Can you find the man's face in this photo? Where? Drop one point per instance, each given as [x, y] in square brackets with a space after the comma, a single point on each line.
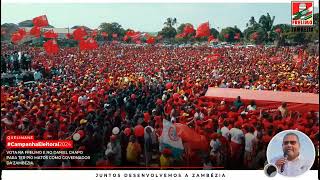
[291, 146]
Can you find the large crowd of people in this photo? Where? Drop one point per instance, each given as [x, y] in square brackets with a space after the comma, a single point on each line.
[105, 95]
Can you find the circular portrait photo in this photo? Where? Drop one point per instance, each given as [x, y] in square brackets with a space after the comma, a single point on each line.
[292, 152]
[270, 170]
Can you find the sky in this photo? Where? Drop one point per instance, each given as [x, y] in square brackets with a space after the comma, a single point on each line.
[146, 17]
[275, 146]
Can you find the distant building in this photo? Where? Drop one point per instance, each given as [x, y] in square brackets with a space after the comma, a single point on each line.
[62, 32]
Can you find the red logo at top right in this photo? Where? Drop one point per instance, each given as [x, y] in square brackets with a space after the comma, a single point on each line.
[302, 13]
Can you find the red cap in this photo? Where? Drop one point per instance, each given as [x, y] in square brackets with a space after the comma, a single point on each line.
[113, 138]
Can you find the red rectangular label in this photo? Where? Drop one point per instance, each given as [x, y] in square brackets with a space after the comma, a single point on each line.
[46, 144]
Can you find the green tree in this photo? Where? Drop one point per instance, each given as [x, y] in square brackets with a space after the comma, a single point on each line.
[8, 29]
[170, 22]
[112, 28]
[214, 32]
[252, 22]
[247, 33]
[231, 31]
[295, 37]
[267, 24]
[279, 37]
[168, 32]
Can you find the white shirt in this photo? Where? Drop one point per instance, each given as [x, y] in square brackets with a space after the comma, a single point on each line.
[248, 137]
[251, 108]
[295, 167]
[82, 100]
[236, 135]
[225, 132]
[199, 115]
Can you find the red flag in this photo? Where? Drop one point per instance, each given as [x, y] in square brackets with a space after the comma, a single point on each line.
[35, 31]
[203, 30]
[104, 34]
[188, 29]
[299, 59]
[136, 37]
[22, 32]
[182, 35]
[51, 47]
[211, 38]
[40, 21]
[125, 38]
[237, 36]
[50, 34]
[83, 45]
[130, 33]
[16, 37]
[79, 33]
[92, 44]
[150, 40]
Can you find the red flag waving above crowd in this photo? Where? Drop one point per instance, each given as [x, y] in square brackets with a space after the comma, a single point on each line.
[136, 36]
[130, 33]
[50, 34]
[79, 33]
[203, 30]
[22, 32]
[35, 31]
[188, 29]
[237, 36]
[150, 40]
[51, 47]
[211, 38]
[92, 44]
[16, 37]
[40, 21]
